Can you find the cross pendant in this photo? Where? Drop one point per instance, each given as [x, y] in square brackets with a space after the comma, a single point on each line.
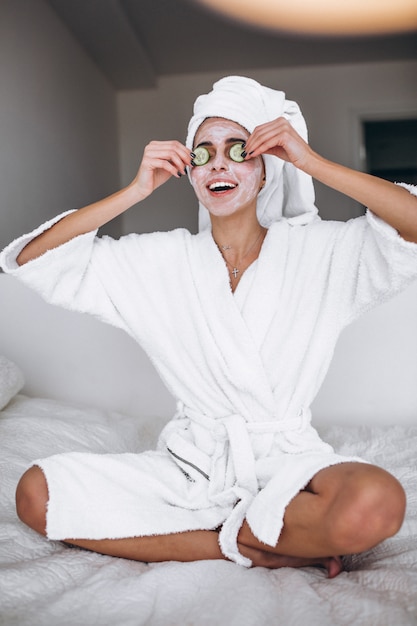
[235, 272]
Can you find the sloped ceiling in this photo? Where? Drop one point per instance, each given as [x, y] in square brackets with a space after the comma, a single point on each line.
[134, 42]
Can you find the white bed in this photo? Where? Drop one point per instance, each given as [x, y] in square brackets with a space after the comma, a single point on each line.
[83, 392]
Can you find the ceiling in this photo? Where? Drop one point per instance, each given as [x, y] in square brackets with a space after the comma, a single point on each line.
[135, 42]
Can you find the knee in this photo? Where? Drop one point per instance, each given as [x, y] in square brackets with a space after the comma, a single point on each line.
[373, 510]
[32, 498]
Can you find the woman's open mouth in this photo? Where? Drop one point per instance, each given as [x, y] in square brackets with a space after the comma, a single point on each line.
[221, 187]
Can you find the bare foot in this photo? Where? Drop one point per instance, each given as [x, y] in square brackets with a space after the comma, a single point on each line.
[260, 558]
[333, 565]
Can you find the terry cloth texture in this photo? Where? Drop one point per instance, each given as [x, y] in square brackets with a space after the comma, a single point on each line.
[288, 191]
[244, 367]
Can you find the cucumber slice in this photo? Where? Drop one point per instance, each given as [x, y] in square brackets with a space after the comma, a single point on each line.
[235, 152]
[202, 156]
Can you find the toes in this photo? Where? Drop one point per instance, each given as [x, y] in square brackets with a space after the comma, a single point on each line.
[334, 566]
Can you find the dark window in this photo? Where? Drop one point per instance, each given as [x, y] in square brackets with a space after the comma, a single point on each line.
[391, 149]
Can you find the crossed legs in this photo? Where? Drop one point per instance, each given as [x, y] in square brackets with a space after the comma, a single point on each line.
[345, 509]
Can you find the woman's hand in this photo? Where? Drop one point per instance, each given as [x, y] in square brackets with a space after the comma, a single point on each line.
[161, 160]
[280, 139]
[390, 202]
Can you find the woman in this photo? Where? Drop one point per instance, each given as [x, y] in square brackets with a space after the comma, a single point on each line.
[241, 321]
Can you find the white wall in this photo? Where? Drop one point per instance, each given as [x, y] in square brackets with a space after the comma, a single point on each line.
[373, 375]
[331, 97]
[58, 131]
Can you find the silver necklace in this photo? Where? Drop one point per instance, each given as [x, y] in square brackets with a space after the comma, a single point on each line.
[233, 269]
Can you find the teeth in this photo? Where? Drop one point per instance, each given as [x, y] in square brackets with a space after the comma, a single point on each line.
[221, 185]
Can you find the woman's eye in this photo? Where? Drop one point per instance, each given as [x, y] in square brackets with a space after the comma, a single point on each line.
[202, 156]
[235, 152]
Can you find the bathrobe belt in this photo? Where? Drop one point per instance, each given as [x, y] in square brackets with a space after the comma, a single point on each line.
[230, 469]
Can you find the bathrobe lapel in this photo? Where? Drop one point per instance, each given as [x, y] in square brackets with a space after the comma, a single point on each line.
[262, 305]
[235, 344]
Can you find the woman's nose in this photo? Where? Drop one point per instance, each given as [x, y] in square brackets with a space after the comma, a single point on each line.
[219, 162]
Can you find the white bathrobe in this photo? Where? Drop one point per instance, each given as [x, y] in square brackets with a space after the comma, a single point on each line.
[244, 367]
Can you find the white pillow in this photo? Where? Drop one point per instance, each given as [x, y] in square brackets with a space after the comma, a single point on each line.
[11, 380]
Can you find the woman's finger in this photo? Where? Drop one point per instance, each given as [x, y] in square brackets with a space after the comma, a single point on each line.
[172, 152]
[279, 139]
[269, 135]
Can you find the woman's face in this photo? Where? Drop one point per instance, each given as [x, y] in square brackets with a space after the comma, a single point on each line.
[222, 185]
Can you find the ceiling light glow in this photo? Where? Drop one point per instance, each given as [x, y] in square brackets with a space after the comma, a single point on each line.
[323, 17]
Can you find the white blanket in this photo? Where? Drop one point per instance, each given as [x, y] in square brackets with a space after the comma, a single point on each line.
[46, 583]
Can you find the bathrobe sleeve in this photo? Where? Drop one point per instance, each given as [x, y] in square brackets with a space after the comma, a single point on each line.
[372, 262]
[93, 274]
[64, 275]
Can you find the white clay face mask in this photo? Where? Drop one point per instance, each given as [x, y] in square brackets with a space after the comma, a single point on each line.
[223, 181]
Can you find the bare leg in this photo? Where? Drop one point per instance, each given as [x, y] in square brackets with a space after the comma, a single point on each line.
[345, 509]
[195, 545]
[32, 497]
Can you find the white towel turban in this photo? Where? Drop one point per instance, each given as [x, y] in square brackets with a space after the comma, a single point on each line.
[288, 192]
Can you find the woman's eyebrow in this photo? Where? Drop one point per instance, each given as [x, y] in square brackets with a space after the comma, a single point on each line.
[203, 143]
[230, 140]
